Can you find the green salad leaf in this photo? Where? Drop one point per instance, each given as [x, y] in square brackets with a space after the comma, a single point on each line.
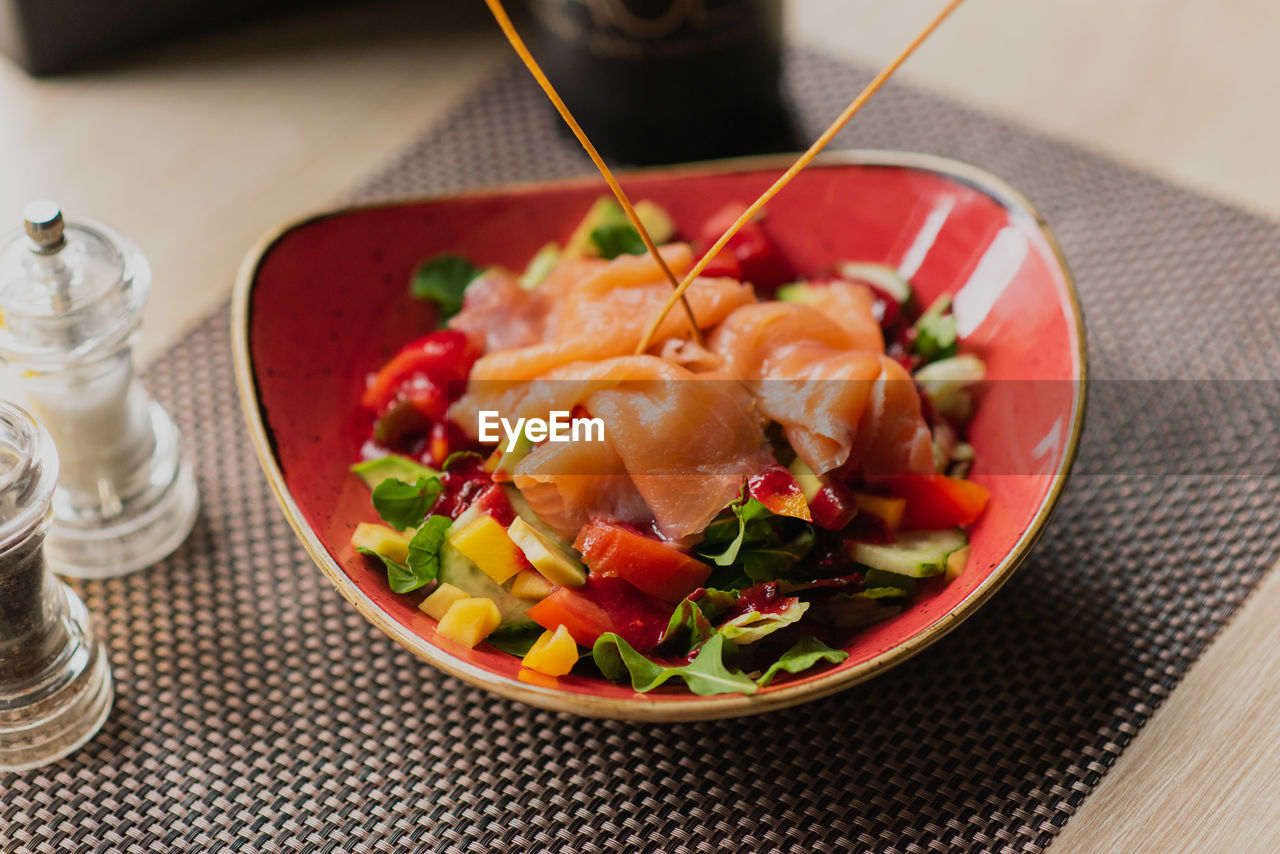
[807, 652]
[403, 505]
[753, 625]
[715, 602]
[751, 542]
[619, 238]
[724, 537]
[687, 624]
[770, 561]
[397, 573]
[706, 674]
[515, 640]
[424, 553]
[423, 564]
[442, 280]
[854, 610]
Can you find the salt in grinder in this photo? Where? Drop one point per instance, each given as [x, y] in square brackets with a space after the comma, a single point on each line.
[71, 296]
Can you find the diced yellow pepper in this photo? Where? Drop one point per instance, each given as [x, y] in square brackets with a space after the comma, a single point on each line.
[486, 543]
[441, 599]
[546, 557]
[469, 621]
[554, 653]
[383, 540]
[956, 562]
[887, 510]
[530, 585]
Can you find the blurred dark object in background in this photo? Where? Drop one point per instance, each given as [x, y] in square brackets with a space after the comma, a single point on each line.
[52, 36]
[663, 81]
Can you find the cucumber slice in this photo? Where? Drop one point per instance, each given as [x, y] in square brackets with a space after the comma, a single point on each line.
[374, 472]
[800, 292]
[540, 265]
[915, 554]
[458, 570]
[884, 277]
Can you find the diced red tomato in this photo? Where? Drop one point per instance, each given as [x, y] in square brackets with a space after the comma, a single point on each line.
[937, 501]
[724, 264]
[604, 604]
[776, 488]
[422, 371]
[653, 567]
[758, 257]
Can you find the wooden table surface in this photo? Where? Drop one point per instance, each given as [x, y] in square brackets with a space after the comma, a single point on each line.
[197, 149]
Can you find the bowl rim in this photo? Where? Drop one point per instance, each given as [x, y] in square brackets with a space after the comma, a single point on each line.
[666, 707]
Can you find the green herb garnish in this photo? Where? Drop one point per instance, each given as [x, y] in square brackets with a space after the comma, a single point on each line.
[807, 652]
[403, 505]
[442, 280]
[706, 674]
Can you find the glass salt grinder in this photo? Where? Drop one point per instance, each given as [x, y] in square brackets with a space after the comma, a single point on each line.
[71, 296]
[55, 682]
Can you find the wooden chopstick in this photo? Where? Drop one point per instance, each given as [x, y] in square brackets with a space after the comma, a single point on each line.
[803, 161]
[509, 30]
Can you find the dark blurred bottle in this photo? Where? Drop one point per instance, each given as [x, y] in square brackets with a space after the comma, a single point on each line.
[663, 81]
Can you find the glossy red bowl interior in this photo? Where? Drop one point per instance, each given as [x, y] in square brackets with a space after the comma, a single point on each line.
[324, 302]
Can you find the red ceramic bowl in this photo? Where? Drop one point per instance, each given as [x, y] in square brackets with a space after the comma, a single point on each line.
[323, 301]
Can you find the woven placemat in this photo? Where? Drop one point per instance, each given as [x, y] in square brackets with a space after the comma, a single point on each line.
[258, 712]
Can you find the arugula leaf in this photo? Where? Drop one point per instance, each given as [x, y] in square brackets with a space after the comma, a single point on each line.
[771, 561]
[753, 625]
[706, 674]
[515, 640]
[442, 280]
[424, 554]
[749, 514]
[716, 602]
[614, 239]
[854, 610]
[457, 457]
[749, 537]
[403, 505]
[807, 652]
[397, 573]
[688, 621]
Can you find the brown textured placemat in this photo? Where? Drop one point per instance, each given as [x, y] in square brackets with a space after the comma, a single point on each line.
[258, 712]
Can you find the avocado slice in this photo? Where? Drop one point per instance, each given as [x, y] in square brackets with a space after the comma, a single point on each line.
[607, 214]
[374, 472]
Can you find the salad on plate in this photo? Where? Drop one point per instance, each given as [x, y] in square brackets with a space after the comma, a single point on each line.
[784, 464]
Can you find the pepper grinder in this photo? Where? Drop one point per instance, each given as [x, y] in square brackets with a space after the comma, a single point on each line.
[55, 682]
[71, 297]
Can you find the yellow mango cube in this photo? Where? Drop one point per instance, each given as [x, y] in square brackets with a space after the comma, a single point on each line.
[469, 621]
[487, 545]
[546, 557]
[383, 540]
[530, 586]
[887, 510]
[554, 653]
[441, 599]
